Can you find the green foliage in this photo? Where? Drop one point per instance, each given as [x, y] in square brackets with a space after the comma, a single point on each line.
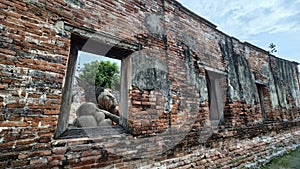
[272, 47]
[288, 161]
[103, 73]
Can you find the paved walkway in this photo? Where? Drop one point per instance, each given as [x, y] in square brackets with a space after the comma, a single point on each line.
[289, 161]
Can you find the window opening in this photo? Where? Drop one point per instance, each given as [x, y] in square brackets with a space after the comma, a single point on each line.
[97, 80]
[260, 89]
[98, 95]
[215, 96]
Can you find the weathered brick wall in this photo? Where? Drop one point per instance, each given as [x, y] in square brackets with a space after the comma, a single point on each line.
[34, 50]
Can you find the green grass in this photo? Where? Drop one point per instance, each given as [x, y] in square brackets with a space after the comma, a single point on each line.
[288, 161]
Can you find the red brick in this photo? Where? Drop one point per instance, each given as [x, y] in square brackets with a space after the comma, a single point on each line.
[42, 146]
[2, 117]
[6, 51]
[90, 153]
[26, 19]
[33, 26]
[13, 14]
[148, 103]
[38, 161]
[25, 155]
[56, 163]
[136, 102]
[26, 147]
[14, 124]
[86, 161]
[24, 142]
[12, 81]
[52, 96]
[51, 112]
[19, 163]
[34, 95]
[80, 148]
[43, 139]
[27, 136]
[56, 107]
[3, 6]
[8, 156]
[7, 62]
[59, 150]
[17, 105]
[56, 158]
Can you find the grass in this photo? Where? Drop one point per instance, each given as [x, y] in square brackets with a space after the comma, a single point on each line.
[288, 161]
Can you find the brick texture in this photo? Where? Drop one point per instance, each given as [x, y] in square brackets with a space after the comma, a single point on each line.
[34, 52]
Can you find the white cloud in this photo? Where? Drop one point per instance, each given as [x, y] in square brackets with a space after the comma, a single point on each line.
[244, 18]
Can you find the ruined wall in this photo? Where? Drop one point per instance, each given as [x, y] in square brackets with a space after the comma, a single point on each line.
[168, 98]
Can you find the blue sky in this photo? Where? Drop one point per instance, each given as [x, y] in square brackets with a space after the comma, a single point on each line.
[84, 57]
[259, 22]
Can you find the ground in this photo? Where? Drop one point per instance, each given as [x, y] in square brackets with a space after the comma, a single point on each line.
[289, 161]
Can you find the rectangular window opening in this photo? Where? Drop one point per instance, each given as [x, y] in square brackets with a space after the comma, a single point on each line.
[97, 80]
[216, 90]
[95, 91]
[261, 89]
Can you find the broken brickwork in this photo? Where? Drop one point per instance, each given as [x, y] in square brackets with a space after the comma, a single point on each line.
[175, 61]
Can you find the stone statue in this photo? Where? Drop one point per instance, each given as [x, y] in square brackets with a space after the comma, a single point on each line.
[101, 107]
[89, 115]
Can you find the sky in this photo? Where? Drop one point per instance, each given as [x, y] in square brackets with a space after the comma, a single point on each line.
[84, 57]
[259, 22]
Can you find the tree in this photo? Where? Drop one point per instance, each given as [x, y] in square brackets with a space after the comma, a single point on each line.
[103, 73]
[272, 47]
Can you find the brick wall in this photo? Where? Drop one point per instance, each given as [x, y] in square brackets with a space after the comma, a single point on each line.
[34, 51]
